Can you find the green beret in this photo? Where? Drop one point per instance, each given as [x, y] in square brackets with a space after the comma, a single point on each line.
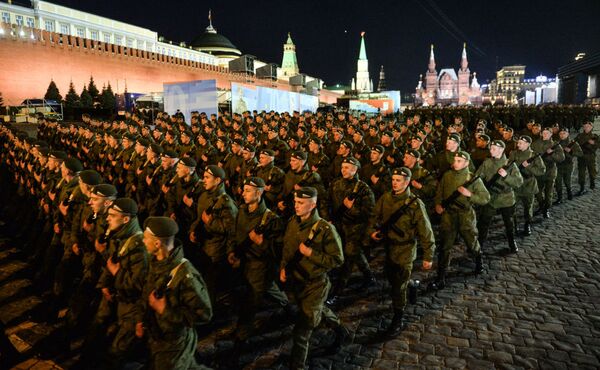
[249, 148]
[463, 154]
[454, 137]
[170, 154]
[105, 190]
[189, 162]
[44, 151]
[485, 138]
[499, 143]
[73, 164]
[402, 171]
[378, 148]
[90, 177]
[387, 133]
[417, 137]
[143, 142]
[565, 129]
[57, 154]
[268, 152]
[415, 153]
[316, 140]
[547, 128]
[351, 160]
[216, 171]
[347, 144]
[299, 154]
[161, 227]
[125, 205]
[526, 139]
[239, 142]
[157, 149]
[306, 192]
[257, 182]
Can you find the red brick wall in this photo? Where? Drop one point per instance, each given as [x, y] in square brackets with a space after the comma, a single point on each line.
[27, 66]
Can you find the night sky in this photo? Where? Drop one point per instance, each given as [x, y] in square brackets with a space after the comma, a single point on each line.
[543, 35]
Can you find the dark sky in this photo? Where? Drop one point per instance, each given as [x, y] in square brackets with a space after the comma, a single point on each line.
[543, 35]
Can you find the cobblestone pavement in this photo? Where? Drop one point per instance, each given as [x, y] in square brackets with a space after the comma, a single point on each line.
[537, 309]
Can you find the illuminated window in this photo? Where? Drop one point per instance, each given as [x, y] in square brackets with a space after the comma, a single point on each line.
[49, 25]
[64, 29]
[94, 35]
[5, 17]
[19, 20]
[107, 37]
[130, 43]
[118, 40]
[81, 32]
[30, 22]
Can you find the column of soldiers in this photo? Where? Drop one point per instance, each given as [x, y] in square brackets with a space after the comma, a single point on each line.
[141, 229]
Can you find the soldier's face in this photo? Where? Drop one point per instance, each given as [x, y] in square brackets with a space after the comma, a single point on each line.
[563, 135]
[459, 163]
[415, 144]
[116, 219]
[399, 183]
[496, 151]
[52, 164]
[304, 206]
[385, 140]
[348, 170]
[151, 242]
[587, 128]
[522, 145]
[97, 204]
[210, 182]
[247, 155]
[409, 160]
[251, 194]
[451, 145]
[296, 164]
[546, 134]
[535, 130]
[182, 170]
[375, 156]
[264, 160]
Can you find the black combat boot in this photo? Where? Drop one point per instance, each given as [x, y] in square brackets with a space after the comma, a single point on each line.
[440, 280]
[397, 325]
[479, 263]
[341, 334]
[527, 229]
[512, 244]
[546, 213]
[592, 184]
[569, 194]
[581, 190]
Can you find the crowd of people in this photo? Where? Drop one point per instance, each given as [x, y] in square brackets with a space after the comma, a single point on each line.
[138, 230]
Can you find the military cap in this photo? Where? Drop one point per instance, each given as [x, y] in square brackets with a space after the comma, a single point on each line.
[249, 148]
[387, 133]
[73, 164]
[156, 148]
[397, 128]
[565, 129]
[499, 143]
[347, 144]
[90, 177]
[509, 129]
[40, 144]
[422, 132]
[322, 128]
[547, 128]
[204, 135]
[352, 161]
[268, 152]
[454, 137]
[172, 132]
[316, 140]
[273, 129]
[170, 154]
[536, 124]
[239, 142]
[299, 154]
[161, 227]
[293, 137]
[378, 148]
[130, 137]
[556, 125]
[306, 192]
[463, 155]
[223, 139]
[116, 135]
[44, 151]
[216, 171]
[188, 162]
[485, 138]
[187, 133]
[57, 154]
[416, 137]
[525, 138]
[402, 171]
[125, 205]
[360, 132]
[413, 152]
[257, 182]
[143, 142]
[105, 190]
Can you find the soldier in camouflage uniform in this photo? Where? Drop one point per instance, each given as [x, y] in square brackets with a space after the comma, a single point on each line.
[589, 143]
[552, 153]
[565, 168]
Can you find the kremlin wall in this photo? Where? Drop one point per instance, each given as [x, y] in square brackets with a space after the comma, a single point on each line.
[27, 65]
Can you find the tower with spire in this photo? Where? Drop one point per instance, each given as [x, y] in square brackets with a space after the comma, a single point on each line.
[381, 86]
[289, 64]
[463, 78]
[431, 77]
[362, 83]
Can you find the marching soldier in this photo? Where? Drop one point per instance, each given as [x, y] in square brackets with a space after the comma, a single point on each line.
[531, 166]
[400, 218]
[456, 195]
[174, 299]
[501, 176]
[589, 143]
[312, 248]
[552, 153]
[565, 168]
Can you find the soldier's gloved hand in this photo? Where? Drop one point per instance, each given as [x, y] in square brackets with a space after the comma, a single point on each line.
[233, 260]
[307, 251]
[348, 203]
[256, 238]
[188, 201]
[75, 249]
[193, 237]
[439, 209]
[281, 205]
[157, 304]
[464, 191]
[376, 236]
[427, 265]
[106, 294]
